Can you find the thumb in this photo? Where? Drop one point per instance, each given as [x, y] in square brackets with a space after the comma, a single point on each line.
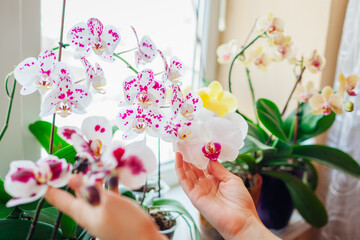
[219, 171]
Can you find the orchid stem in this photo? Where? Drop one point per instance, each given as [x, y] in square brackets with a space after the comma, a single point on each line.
[61, 45]
[292, 91]
[144, 192]
[127, 64]
[126, 51]
[159, 170]
[36, 218]
[241, 52]
[252, 93]
[10, 107]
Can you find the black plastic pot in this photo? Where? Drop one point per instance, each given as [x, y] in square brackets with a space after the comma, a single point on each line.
[275, 206]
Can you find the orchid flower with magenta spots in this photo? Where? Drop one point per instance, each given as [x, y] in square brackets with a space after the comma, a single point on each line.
[65, 97]
[93, 35]
[27, 181]
[34, 74]
[94, 76]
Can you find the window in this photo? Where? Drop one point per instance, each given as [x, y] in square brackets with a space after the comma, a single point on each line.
[170, 23]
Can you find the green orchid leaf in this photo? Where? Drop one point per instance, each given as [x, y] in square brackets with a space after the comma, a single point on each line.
[126, 192]
[283, 162]
[12, 229]
[270, 117]
[310, 125]
[171, 204]
[4, 198]
[251, 144]
[328, 156]
[248, 160]
[310, 176]
[282, 148]
[257, 132]
[68, 153]
[304, 199]
[42, 130]
[68, 226]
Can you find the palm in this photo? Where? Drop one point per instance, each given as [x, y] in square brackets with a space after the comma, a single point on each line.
[220, 196]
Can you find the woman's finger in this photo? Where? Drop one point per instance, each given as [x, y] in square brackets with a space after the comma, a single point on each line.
[185, 183]
[219, 171]
[76, 183]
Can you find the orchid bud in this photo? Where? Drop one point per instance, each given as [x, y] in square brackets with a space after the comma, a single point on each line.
[349, 106]
[91, 194]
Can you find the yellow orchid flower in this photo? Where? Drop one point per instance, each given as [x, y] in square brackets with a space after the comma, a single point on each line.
[258, 57]
[226, 52]
[315, 63]
[348, 84]
[303, 94]
[270, 24]
[284, 48]
[326, 101]
[216, 99]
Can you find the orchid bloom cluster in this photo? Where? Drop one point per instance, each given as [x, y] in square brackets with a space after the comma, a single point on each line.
[281, 46]
[201, 135]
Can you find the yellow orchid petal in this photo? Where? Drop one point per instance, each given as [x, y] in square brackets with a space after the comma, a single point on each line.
[230, 101]
[204, 96]
[352, 80]
[317, 112]
[316, 102]
[310, 86]
[342, 80]
[215, 88]
[336, 103]
[341, 90]
[217, 106]
[327, 92]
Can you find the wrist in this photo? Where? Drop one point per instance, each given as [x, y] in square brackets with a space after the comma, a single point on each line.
[254, 229]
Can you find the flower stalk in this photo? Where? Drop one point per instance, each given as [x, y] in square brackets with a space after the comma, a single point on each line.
[252, 93]
[127, 64]
[159, 169]
[10, 104]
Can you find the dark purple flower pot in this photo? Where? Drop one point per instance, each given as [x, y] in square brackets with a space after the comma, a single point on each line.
[275, 205]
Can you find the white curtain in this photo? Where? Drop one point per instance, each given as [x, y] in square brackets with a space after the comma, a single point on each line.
[343, 197]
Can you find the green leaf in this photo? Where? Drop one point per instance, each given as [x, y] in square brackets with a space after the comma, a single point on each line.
[4, 198]
[251, 144]
[50, 215]
[283, 162]
[33, 205]
[126, 192]
[178, 207]
[257, 132]
[68, 226]
[68, 153]
[282, 148]
[304, 199]
[248, 160]
[310, 125]
[270, 117]
[148, 200]
[310, 176]
[328, 156]
[42, 130]
[12, 229]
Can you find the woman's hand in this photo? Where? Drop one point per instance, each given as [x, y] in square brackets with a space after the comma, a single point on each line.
[222, 199]
[114, 218]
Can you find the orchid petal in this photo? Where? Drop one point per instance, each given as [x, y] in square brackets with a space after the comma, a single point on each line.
[60, 169]
[192, 153]
[125, 118]
[28, 90]
[130, 87]
[327, 92]
[140, 163]
[95, 27]
[112, 38]
[24, 200]
[239, 121]
[97, 128]
[27, 72]
[176, 70]
[47, 60]
[79, 38]
[67, 132]
[147, 49]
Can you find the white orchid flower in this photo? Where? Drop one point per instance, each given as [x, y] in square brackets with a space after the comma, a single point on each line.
[34, 74]
[93, 35]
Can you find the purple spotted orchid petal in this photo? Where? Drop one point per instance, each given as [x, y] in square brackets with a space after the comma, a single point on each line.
[95, 27]
[112, 38]
[34, 74]
[138, 163]
[147, 50]
[130, 87]
[94, 76]
[136, 120]
[176, 70]
[174, 126]
[165, 75]
[61, 71]
[65, 98]
[187, 106]
[97, 129]
[79, 38]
